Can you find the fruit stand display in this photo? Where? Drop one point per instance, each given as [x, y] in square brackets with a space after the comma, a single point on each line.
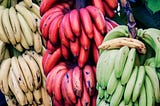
[78, 53]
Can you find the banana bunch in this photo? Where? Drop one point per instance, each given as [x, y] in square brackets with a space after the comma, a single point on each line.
[72, 86]
[4, 51]
[22, 80]
[19, 26]
[127, 69]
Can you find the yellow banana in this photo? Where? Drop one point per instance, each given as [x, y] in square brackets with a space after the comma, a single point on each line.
[37, 95]
[4, 3]
[35, 70]
[37, 42]
[26, 30]
[23, 41]
[28, 3]
[11, 101]
[29, 97]
[4, 70]
[26, 72]
[7, 26]
[15, 24]
[46, 99]
[19, 47]
[2, 50]
[7, 54]
[13, 2]
[18, 73]
[35, 9]
[15, 88]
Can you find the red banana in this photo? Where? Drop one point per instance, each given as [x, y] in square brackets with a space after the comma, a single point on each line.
[46, 5]
[75, 22]
[113, 23]
[47, 23]
[113, 4]
[56, 103]
[50, 47]
[51, 75]
[75, 47]
[56, 89]
[99, 4]
[65, 51]
[86, 22]
[84, 40]
[97, 17]
[93, 100]
[94, 70]
[63, 39]
[54, 28]
[85, 100]
[83, 57]
[98, 37]
[109, 26]
[44, 58]
[69, 86]
[95, 52]
[109, 12]
[89, 79]
[67, 27]
[52, 61]
[77, 81]
[78, 102]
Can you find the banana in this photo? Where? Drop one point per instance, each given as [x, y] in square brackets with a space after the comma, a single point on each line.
[4, 3]
[151, 72]
[105, 65]
[18, 47]
[35, 70]
[7, 26]
[46, 99]
[95, 52]
[37, 42]
[25, 30]
[3, 35]
[19, 74]
[122, 103]
[112, 83]
[128, 66]
[143, 97]
[27, 16]
[103, 103]
[15, 24]
[15, 88]
[13, 2]
[86, 22]
[28, 3]
[101, 93]
[123, 41]
[150, 92]
[26, 72]
[75, 22]
[151, 37]
[7, 54]
[75, 47]
[2, 50]
[11, 101]
[29, 97]
[65, 51]
[130, 85]
[150, 62]
[117, 95]
[121, 58]
[24, 42]
[139, 83]
[37, 96]
[99, 4]
[35, 9]
[4, 70]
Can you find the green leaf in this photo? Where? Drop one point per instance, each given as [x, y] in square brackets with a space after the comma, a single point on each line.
[153, 5]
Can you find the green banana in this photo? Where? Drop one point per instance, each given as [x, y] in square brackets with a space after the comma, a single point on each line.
[101, 68]
[122, 103]
[112, 83]
[151, 36]
[151, 72]
[139, 82]
[143, 96]
[101, 93]
[106, 95]
[103, 103]
[98, 100]
[136, 103]
[117, 95]
[150, 62]
[128, 66]
[120, 62]
[130, 85]
[150, 92]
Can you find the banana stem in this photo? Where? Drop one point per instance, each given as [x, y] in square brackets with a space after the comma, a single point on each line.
[80, 3]
[131, 22]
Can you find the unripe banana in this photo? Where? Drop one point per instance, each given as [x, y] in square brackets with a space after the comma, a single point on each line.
[143, 97]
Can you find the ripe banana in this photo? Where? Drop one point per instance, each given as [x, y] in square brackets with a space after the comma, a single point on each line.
[29, 97]
[25, 30]
[24, 42]
[37, 96]
[3, 35]
[26, 72]
[99, 4]
[28, 3]
[7, 54]
[130, 85]
[19, 47]
[46, 99]
[11, 101]
[75, 47]
[121, 58]
[117, 95]
[151, 72]
[7, 26]
[4, 70]
[19, 74]
[35, 9]
[15, 88]
[37, 42]
[65, 51]
[15, 24]
[2, 50]
[128, 66]
[139, 82]
[27, 16]
[35, 70]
